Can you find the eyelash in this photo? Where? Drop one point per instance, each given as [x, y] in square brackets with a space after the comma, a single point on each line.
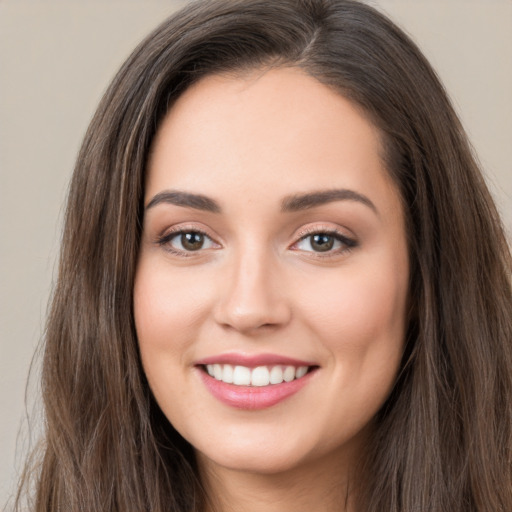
[164, 240]
[347, 243]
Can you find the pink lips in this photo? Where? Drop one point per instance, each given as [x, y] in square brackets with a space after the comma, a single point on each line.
[252, 397]
[252, 361]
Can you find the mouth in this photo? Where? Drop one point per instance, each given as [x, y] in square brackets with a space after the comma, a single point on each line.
[254, 382]
[260, 376]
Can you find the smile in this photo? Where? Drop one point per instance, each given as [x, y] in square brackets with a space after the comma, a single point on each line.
[258, 377]
[254, 382]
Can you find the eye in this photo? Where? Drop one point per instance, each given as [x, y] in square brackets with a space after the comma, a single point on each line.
[325, 242]
[186, 241]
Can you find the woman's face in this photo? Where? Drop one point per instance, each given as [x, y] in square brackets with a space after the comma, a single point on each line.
[274, 257]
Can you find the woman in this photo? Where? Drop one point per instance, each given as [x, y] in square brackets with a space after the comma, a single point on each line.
[283, 282]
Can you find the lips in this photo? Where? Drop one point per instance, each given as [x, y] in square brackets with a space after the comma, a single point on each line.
[254, 382]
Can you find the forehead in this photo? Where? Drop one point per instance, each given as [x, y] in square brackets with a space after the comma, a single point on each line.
[267, 131]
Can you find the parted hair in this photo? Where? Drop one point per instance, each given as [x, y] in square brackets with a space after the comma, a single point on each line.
[443, 441]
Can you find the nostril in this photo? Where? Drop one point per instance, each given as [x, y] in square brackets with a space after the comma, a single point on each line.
[252, 314]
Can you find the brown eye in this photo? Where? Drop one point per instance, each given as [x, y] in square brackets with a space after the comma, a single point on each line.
[183, 242]
[325, 242]
[192, 241]
[322, 242]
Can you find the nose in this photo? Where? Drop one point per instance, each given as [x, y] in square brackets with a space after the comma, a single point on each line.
[253, 295]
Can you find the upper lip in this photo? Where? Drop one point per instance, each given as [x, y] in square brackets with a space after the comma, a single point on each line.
[253, 360]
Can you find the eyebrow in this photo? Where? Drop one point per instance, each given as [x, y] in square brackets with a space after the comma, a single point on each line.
[186, 199]
[293, 203]
[298, 202]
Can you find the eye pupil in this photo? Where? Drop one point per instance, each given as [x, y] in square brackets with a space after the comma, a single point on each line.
[192, 241]
[322, 242]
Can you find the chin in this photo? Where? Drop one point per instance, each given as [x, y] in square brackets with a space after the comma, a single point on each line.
[254, 460]
[258, 450]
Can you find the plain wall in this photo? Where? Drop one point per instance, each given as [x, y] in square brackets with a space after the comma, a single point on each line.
[56, 59]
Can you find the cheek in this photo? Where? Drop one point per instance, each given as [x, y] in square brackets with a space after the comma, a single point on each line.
[360, 320]
[169, 311]
[360, 317]
[167, 306]
[357, 307]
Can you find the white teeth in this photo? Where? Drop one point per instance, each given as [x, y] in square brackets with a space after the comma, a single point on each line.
[241, 376]
[289, 374]
[217, 371]
[276, 375]
[227, 374]
[301, 371]
[259, 376]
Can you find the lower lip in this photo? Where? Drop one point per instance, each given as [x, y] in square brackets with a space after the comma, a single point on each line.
[253, 397]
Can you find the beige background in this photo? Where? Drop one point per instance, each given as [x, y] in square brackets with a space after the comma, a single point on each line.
[57, 57]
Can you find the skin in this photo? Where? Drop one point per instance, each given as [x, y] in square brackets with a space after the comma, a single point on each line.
[259, 286]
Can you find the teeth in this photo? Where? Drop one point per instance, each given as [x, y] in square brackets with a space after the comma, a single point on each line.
[217, 371]
[227, 374]
[289, 374]
[259, 376]
[241, 376]
[301, 371]
[276, 375]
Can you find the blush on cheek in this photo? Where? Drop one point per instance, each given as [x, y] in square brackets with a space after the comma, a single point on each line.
[167, 303]
[366, 328]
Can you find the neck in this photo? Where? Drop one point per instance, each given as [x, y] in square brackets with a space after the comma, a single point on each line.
[321, 485]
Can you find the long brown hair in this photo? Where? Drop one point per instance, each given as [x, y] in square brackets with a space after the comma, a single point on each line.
[444, 436]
